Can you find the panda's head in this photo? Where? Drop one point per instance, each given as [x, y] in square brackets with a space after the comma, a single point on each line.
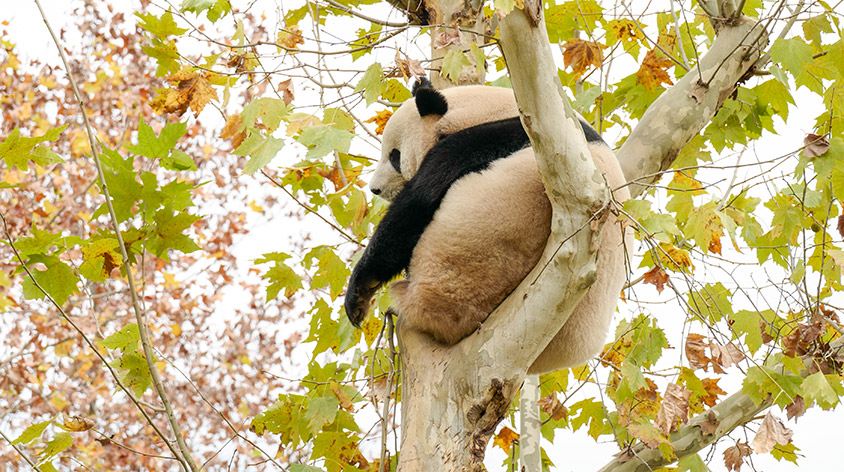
[430, 115]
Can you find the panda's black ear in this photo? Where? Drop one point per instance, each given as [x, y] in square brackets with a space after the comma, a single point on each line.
[421, 82]
[428, 100]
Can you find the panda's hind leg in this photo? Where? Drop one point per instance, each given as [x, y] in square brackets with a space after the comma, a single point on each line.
[430, 312]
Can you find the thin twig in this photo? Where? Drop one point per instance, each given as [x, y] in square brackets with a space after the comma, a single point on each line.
[139, 315]
[385, 412]
[19, 451]
[84, 337]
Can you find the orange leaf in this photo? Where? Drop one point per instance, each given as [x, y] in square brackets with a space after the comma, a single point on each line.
[653, 71]
[580, 54]
[734, 456]
[656, 277]
[380, 120]
[505, 438]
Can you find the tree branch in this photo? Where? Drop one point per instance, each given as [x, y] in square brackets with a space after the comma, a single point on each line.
[139, 315]
[682, 111]
[736, 410]
[518, 331]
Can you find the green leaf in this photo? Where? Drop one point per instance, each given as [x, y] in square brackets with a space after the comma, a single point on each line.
[58, 280]
[260, 149]
[304, 468]
[280, 275]
[125, 339]
[178, 160]
[321, 411]
[747, 323]
[168, 233]
[793, 54]
[122, 182]
[816, 388]
[134, 372]
[165, 54]
[157, 147]
[32, 432]
[100, 257]
[712, 302]
[18, 151]
[453, 64]
[763, 381]
[162, 26]
[215, 9]
[324, 139]
[60, 442]
[371, 83]
[271, 111]
[331, 271]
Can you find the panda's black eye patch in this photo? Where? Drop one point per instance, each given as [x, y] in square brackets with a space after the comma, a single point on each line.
[395, 160]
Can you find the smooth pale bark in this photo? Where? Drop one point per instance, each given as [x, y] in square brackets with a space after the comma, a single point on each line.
[682, 111]
[454, 397]
[530, 424]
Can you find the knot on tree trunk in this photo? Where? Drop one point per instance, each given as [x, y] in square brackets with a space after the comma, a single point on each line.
[483, 417]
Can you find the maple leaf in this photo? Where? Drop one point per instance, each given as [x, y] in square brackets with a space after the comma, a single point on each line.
[674, 409]
[710, 425]
[505, 438]
[771, 433]
[286, 89]
[656, 277]
[713, 391]
[815, 145]
[580, 54]
[407, 67]
[234, 130]
[725, 356]
[77, 424]
[674, 258]
[696, 351]
[796, 408]
[551, 405]
[734, 456]
[290, 38]
[653, 71]
[380, 120]
[192, 89]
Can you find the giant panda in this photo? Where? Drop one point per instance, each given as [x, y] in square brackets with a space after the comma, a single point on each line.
[470, 218]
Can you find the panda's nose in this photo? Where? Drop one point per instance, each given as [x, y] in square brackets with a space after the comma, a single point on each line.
[376, 191]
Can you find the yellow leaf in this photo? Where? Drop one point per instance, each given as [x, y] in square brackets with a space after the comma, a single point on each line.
[254, 206]
[170, 281]
[191, 89]
[290, 38]
[371, 327]
[674, 258]
[380, 120]
[176, 328]
[58, 401]
[77, 424]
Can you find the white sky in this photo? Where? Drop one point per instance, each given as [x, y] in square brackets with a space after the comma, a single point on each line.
[816, 433]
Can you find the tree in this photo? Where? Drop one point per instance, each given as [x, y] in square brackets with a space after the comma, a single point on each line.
[126, 206]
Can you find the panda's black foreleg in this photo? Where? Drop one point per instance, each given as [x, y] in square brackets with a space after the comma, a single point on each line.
[389, 250]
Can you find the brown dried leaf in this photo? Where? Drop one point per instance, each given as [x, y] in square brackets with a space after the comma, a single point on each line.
[407, 67]
[505, 438]
[725, 356]
[771, 433]
[710, 425]
[552, 406]
[674, 409]
[286, 89]
[647, 433]
[841, 225]
[696, 351]
[656, 277]
[815, 145]
[653, 71]
[796, 408]
[734, 456]
[580, 54]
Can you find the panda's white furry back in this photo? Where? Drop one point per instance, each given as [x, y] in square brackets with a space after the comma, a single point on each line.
[489, 229]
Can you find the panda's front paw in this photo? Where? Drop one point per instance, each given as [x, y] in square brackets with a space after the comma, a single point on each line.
[358, 297]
